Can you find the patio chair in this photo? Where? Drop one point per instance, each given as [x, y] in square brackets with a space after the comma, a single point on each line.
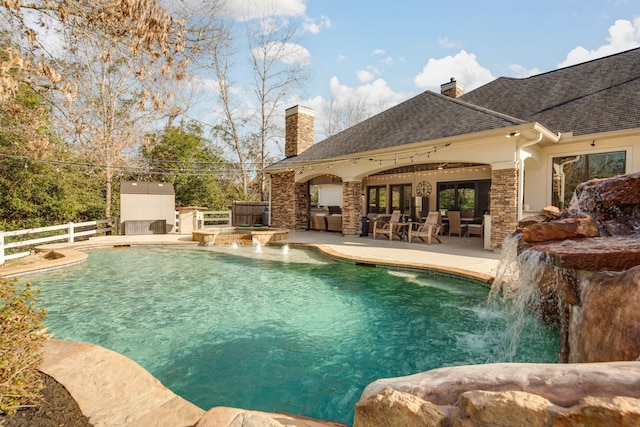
[389, 228]
[475, 229]
[455, 225]
[429, 229]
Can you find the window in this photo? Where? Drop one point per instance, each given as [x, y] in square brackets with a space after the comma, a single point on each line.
[471, 198]
[377, 199]
[570, 171]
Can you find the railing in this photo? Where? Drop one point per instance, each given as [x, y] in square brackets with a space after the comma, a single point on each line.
[10, 240]
[213, 218]
[209, 219]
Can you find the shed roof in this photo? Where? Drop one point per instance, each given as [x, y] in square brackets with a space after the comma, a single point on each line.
[136, 187]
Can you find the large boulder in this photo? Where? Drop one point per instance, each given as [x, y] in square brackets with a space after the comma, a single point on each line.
[614, 203]
[506, 394]
[394, 408]
[569, 228]
[606, 325]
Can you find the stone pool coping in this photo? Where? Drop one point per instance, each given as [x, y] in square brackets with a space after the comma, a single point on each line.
[115, 391]
[453, 257]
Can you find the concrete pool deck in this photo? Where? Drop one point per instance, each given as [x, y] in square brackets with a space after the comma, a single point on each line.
[115, 391]
[463, 256]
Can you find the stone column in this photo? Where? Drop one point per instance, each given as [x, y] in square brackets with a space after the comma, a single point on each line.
[352, 208]
[289, 202]
[504, 204]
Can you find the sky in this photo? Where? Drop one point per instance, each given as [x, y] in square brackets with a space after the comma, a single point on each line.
[387, 51]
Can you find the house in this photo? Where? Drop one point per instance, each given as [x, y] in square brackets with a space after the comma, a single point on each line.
[502, 150]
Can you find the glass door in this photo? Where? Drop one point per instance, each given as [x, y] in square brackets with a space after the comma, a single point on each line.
[401, 198]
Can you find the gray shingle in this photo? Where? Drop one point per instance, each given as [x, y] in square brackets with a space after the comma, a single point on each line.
[597, 96]
[425, 117]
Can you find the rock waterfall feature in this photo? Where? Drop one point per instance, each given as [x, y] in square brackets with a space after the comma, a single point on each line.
[579, 269]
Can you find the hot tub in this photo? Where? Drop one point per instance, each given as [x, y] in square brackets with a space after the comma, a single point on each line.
[238, 235]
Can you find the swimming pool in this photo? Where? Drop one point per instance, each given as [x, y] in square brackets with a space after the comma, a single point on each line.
[276, 331]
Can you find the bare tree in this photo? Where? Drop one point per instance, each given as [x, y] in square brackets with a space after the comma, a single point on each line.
[340, 115]
[113, 107]
[252, 110]
[89, 59]
[37, 25]
[276, 71]
[231, 130]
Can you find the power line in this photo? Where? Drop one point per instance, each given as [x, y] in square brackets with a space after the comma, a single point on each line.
[168, 168]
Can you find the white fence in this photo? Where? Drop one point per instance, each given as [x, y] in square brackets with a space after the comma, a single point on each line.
[9, 240]
[208, 219]
[213, 218]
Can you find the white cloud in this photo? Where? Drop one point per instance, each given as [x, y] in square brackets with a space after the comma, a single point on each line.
[377, 94]
[463, 67]
[290, 53]
[373, 97]
[365, 76]
[445, 42]
[315, 26]
[623, 35]
[377, 52]
[204, 84]
[341, 58]
[251, 9]
[521, 72]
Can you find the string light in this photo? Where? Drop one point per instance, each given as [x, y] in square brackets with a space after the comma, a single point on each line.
[412, 154]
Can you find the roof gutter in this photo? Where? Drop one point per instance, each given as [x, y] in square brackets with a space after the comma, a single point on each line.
[520, 146]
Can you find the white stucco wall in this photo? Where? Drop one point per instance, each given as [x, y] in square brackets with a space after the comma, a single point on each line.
[538, 169]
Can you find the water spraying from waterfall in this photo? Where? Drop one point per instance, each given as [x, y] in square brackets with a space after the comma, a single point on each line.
[519, 286]
[258, 248]
[234, 245]
[285, 249]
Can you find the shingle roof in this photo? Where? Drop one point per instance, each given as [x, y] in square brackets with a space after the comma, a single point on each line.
[425, 117]
[597, 96]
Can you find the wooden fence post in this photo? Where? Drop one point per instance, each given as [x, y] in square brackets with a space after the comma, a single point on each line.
[70, 240]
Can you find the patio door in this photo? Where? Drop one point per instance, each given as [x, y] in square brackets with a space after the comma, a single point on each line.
[377, 199]
[401, 198]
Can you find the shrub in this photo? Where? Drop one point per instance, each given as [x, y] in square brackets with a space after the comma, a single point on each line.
[22, 336]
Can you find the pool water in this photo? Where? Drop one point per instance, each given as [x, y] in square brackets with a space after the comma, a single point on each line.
[273, 330]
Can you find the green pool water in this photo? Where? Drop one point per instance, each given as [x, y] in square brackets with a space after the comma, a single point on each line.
[279, 331]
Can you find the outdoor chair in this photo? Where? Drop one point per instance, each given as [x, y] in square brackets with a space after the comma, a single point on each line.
[475, 229]
[429, 229]
[389, 228]
[455, 225]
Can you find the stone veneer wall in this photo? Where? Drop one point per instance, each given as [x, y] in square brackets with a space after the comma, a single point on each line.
[352, 208]
[302, 203]
[504, 205]
[299, 130]
[289, 202]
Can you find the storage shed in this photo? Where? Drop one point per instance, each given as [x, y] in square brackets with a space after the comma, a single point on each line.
[147, 208]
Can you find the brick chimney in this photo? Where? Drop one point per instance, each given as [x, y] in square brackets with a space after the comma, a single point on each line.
[452, 89]
[299, 132]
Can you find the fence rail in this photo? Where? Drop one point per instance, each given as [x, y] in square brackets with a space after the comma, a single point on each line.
[206, 219]
[11, 240]
[213, 218]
